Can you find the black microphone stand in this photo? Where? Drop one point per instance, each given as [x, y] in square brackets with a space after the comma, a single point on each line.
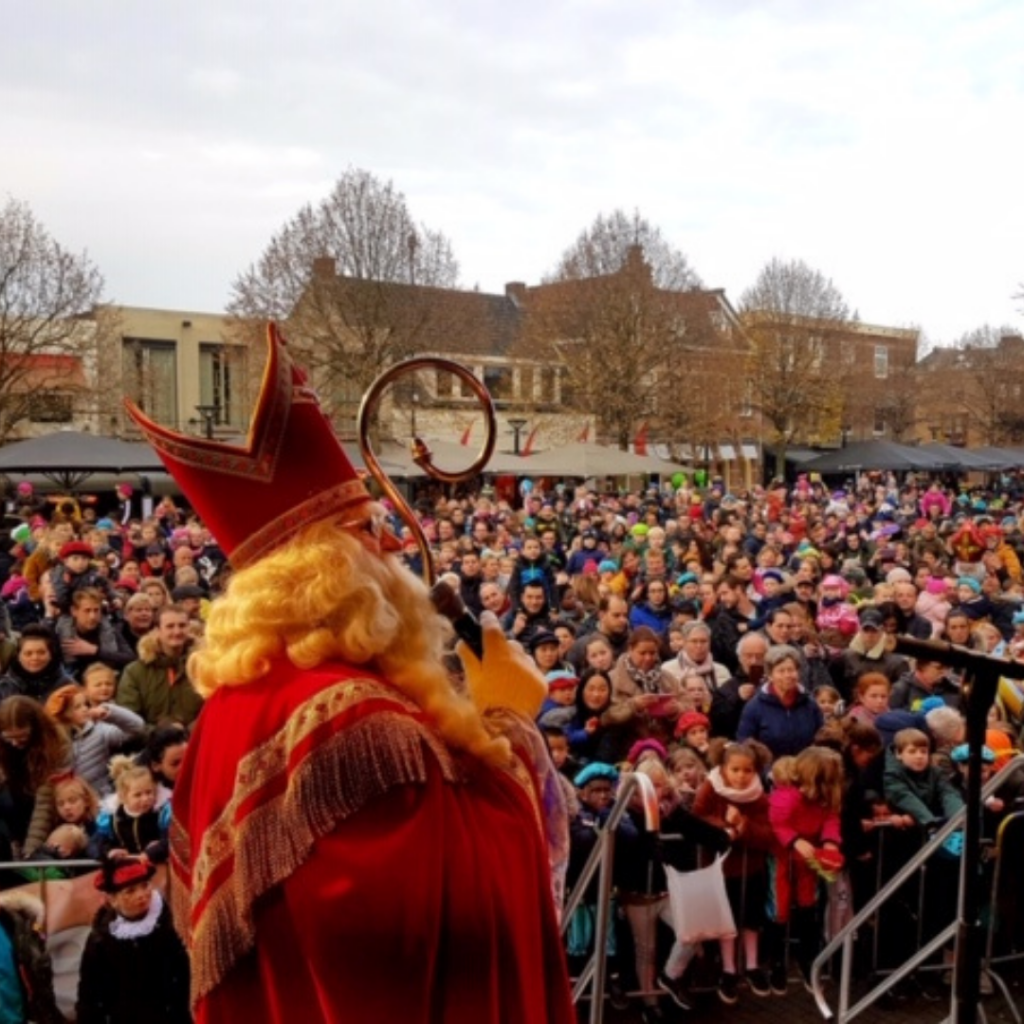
[981, 673]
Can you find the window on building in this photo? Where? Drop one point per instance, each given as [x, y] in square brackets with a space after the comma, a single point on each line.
[50, 407]
[222, 383]
[879, 426]
[151, 377]
[815, 352]
[747, 399]
[444, 385]
[527, 379]
[464, 390]
[545, 385]
[498, 380]
[881, 361]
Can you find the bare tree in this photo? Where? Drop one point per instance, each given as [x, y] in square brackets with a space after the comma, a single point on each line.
[612, 315]
[47, 339]
[356, 281]
[989, 382]
[794, 317]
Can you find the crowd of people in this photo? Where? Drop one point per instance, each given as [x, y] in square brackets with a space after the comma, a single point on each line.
[737, 649]
[97, 620]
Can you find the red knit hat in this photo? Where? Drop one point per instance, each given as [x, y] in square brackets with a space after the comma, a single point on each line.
[689, 720]
[76, 547]
[292, 470]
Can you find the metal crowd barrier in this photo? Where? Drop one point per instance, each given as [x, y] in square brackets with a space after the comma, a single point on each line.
[844, 940]
[600, 863]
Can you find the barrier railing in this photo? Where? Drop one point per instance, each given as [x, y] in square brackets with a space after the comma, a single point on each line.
[844, 939]
[601, 862]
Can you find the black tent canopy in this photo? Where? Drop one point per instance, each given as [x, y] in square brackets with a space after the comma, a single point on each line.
[69, 457]
[880, 455]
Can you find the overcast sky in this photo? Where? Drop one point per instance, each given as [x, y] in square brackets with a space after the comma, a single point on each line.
[877, 141]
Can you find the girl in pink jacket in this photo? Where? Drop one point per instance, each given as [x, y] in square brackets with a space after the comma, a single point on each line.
[803, 811]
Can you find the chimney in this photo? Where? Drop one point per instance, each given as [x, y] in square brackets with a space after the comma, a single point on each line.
[516, 291]
[324, 268]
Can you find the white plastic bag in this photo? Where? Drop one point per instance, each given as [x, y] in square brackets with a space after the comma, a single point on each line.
[700, 904]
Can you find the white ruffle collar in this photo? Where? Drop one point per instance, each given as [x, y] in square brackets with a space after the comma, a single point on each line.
[121, 928]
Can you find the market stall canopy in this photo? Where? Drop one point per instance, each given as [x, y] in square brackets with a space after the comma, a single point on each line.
[594, 460]
[70, 457]
[1007, 458]
[884, 455]
[966, 460]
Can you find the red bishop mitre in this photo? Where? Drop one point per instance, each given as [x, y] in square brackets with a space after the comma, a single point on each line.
[292, 470]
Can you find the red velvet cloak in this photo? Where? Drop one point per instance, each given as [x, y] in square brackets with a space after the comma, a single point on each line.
[333, 861]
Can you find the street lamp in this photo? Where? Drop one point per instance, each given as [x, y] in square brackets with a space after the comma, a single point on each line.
[517, 425]
[210, 415]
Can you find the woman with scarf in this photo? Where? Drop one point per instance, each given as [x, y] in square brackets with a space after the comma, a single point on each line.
[694, 658]
[644, 699]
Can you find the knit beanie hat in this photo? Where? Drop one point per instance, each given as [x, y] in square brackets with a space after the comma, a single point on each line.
[690, 720]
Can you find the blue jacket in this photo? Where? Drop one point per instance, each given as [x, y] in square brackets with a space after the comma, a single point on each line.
[658, 619]
[782, 730]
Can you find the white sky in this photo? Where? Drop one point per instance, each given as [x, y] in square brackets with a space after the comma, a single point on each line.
[877, 141]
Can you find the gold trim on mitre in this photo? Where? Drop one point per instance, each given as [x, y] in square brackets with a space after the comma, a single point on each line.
[321, 506]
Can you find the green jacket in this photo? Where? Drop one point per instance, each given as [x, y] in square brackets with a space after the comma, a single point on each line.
[158, 687]
[926, 796]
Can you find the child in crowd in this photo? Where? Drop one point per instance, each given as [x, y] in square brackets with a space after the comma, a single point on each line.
[593, 698]
[829, 700]
[560, 705]
[804, 813]
[99, 681]
[870, 697]
[595, 792]
[688, 772]
[692, 731]
[136, 823]
[914, 786]
[134, 966]
[834, 613]
[95, 732]
[74, 572]
[599, 654]
[733, 798]
[643, 888]
[65, 842]
[532, 566]
[933, 605]
[77, 803]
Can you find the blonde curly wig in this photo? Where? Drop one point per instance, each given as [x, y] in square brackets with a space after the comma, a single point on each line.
[323, 596]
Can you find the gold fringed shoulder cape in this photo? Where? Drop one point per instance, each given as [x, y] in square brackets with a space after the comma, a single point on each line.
[333, 861]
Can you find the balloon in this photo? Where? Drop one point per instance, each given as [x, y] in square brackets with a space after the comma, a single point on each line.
[701, 477]
[526, 486]
[678, 479]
